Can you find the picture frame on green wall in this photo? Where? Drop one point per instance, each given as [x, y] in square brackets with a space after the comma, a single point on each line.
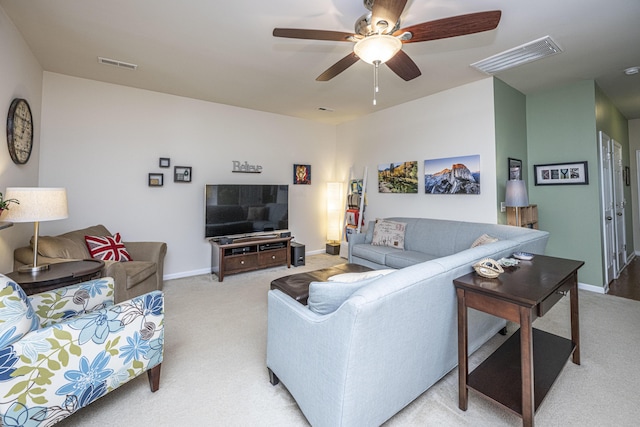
[515, 168]
[574, 173]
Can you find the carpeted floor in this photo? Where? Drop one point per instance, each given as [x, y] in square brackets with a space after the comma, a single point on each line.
[214, 371]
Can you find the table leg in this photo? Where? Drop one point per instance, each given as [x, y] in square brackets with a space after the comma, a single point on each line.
[526, 355]
[463, 366]
[575, 319]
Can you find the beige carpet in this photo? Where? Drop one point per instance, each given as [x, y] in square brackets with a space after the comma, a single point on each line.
[214, 371]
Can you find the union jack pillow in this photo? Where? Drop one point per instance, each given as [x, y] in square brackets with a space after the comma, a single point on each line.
[107, 248]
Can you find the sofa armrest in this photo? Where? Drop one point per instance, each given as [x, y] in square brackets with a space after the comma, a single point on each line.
[355, 239]
[74, 300]
[24, 256]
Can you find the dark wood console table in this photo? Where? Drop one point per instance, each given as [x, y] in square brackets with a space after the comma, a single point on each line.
[519, 374]
[58, 275]
[249, 253]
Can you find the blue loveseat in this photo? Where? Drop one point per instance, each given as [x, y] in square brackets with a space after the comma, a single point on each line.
[360, 360]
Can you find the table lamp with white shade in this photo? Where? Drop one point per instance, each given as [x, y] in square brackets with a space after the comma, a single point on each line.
[36, 204]
[516, 196]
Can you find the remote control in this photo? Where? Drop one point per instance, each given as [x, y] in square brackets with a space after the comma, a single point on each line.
[525, 256]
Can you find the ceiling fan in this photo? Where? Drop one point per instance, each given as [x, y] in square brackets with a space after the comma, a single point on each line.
[378, 39]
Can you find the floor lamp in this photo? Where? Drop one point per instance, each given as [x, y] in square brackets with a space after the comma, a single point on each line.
[36, 204]
[516, 196]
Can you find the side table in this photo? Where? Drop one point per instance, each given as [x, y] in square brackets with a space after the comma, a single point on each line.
[58, 275]
[520, 373]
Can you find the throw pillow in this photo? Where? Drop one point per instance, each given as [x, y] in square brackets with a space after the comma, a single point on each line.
[326, 297]
[17, 317]
[389, 233]
[107, 248]
[483, 240]
[354, 277]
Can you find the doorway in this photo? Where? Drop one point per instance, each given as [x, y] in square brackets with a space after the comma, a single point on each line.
[614, 245]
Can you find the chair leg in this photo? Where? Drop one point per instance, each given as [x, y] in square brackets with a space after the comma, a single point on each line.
[273, 379]
[154, 377]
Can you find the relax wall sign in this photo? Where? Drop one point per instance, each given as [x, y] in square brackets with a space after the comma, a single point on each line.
[245, 167]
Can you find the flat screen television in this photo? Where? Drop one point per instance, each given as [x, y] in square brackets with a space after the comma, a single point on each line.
[234, 210]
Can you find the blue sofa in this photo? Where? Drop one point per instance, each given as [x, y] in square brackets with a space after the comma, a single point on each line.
[395, 335]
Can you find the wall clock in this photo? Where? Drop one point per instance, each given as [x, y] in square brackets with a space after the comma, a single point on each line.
[19, 131]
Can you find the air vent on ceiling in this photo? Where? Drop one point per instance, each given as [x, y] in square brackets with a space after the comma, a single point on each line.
[116, 63]
[523, 54]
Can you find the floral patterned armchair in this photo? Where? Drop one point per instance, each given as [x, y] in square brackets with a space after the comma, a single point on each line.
[61, 350]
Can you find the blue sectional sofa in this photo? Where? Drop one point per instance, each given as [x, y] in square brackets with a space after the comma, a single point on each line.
[395, 335]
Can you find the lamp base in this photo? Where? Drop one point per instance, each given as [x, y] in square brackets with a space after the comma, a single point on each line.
[333, 248]
[33, 269]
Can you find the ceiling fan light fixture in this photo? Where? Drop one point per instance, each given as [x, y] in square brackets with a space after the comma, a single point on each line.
[377, 48]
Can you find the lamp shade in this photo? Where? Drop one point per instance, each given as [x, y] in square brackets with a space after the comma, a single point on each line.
[37, 204]
[379, 47]
[334, 210]
[516, 194]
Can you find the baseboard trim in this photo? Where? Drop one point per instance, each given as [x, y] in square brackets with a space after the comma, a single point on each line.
[592, 288]
[184, 274]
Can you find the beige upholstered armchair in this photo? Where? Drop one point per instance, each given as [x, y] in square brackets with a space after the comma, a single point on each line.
[132, 278]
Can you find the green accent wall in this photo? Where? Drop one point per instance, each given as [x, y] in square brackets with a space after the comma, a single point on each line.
[561, 127]
[511, 135]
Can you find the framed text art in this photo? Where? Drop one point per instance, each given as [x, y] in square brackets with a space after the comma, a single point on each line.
[573, 173]
[515, 169]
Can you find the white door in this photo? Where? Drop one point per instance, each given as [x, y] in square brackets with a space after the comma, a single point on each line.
[619, 205]
[608, 211]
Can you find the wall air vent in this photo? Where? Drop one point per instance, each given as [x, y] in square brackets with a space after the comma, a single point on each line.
[523, 54]
[116, 63]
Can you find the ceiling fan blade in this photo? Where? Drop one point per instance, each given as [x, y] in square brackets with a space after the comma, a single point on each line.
[388, 11]
[452, 27]
[404, 66]
[295, 33]
[338, 67]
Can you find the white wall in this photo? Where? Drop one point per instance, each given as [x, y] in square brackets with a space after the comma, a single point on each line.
[20, 77]
[456, 122]
[100, 141]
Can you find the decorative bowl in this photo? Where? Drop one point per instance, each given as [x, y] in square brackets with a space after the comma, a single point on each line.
[488, 268]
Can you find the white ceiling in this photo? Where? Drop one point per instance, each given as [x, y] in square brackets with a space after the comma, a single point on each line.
[224, 52]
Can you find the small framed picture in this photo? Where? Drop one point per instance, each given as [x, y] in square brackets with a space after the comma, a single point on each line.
[302, 174]
[182, 174]
[515, 169]
[156, 179]
[165, 162]
[574, 173]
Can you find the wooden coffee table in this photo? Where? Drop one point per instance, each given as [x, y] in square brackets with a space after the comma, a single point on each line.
[520, 373]
[58, 275]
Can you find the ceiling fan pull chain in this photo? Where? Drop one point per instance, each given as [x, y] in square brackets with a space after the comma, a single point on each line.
[376, 89]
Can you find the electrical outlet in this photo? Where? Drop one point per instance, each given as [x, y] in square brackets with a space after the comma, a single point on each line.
[503, 208]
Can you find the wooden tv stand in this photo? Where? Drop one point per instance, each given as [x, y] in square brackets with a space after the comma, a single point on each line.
[249, 253]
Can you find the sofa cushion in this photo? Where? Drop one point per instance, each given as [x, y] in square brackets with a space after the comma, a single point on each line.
[138, 271]
[372, 253]
[389, 233]
[407, 258]
[355, 277]
[326, 297]
[107, 248]
[17, 317]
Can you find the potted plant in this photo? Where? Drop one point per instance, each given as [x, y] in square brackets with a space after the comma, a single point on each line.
[4, 203]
